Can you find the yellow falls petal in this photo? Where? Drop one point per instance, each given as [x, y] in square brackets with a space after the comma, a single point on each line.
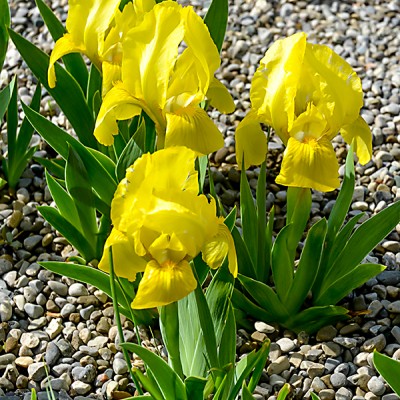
[251, 142]
[118, 104]
[219, 97]
[111, 74]
[162, 285]
[193, 128]
[167, 248]
[275, 82]
[126, 262]
[309, 164]
[359, 133]
[64, 45]
[218, 247]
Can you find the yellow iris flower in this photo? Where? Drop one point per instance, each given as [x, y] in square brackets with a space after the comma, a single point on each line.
[307, 93]
[97, 28]
[167, 84]
[161, 224]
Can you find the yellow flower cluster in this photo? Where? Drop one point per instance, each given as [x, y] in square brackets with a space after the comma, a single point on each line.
[138, 52]
[307, 93]
[161, 224]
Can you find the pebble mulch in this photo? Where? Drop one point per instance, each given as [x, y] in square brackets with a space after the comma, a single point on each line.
[48, 321]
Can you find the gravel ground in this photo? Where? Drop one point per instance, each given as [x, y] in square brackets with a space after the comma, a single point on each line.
[48, 319]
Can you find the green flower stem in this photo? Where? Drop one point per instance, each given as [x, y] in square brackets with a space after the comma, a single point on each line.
[118, 321]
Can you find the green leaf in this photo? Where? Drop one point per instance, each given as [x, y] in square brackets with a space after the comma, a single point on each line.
[65, 203]
[78, 186]
[246, 394]
[259, 367]
[96, 164]
[308, 267]
[241, 302]
[69, 231]
[245, 264]
[347, 283]
[148, 383]
[283, 393]
[298, 213]
[169, 327]
[248, 214]
[130, 153]
[282, 262]
[195, 387]
[264, 249]
[4, 24]
[5, 96]
[312, 319]
[74, 63]
[342, 204]
[202, 163]
[363, 240]
[93, 87]
[216, 20]
[227, 347]
[67, 93]
[246, 365]
[167, 379]
[89, 275]
[55, 166]
[389, 369]
[265, 297]
[314, 396]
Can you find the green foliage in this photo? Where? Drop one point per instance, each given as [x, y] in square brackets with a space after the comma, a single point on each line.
[216, 20]
[19, 151]
[4, 24]
[304, 292]
[389, 369]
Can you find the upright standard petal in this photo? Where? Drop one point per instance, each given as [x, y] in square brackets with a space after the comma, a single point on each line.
[164, 284]
[192, 127]
[126, 262]
[359, 133]
[310, 164]
[251, 142]
[275, 82]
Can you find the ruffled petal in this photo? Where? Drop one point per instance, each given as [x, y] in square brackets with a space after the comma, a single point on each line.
[118, 104]
[126, 262]
[193, 128]
[310, 164]
[339, 84]
[63, 46]
[220, 246]
[359, 133]
[219, 97]
[275, 82]
[162, 285]
[251, 142]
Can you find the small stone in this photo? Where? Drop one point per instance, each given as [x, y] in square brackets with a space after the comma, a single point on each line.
[5, 310]
[98, 342]
[58, 287]
[331, 349]
[54, 328]
[343, 394]
[78, 289]
[119, 366]
[279, 365]
[376, 386]
[394, 307]
[15, 219]
[33, 310]
[349, 343]
[37, 371]
[264, 328]
[52, 354]
[29, 340]
[286, 344]
[391, 245]
[5, 266]
[326, 333]
[81, 388]
[338, 380]
[24, 362]
[32, 241]
[376, 343]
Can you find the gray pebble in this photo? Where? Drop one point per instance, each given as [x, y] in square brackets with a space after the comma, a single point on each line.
[119, 366]
[33, 310]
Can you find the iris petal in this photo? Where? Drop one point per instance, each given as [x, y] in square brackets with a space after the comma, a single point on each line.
[310, 164]
[192, 127]
[359, 133]
[162, 285]
[219, 97]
